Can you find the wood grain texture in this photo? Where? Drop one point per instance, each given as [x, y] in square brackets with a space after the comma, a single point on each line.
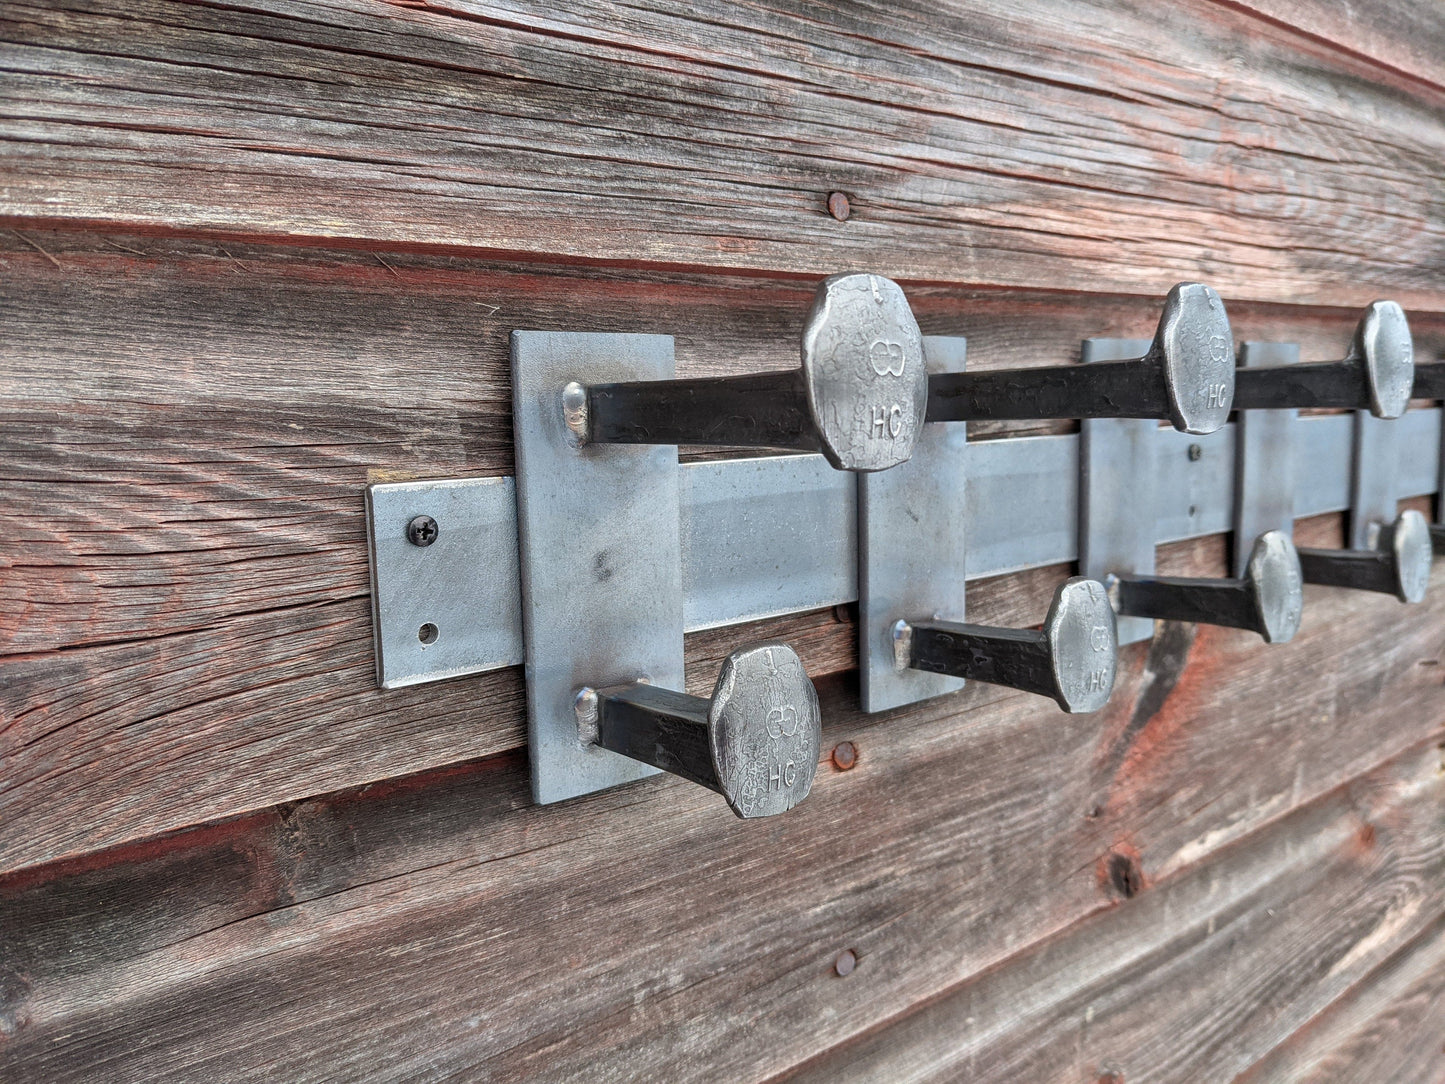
[1388, 1026]
[1084, 145]
[447, 929]
[184, 614]
[1191, 981]
[1407, 36]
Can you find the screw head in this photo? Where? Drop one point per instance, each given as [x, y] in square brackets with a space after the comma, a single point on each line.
[422, 531]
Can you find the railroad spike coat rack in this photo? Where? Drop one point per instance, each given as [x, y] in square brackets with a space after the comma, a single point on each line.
[590, 566]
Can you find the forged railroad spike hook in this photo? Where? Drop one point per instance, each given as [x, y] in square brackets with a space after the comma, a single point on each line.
[755, 741]
[1071, 659]
[1399, 565]
[1376, 375]
[1186, 378]
[1267, 599]
[858, 397]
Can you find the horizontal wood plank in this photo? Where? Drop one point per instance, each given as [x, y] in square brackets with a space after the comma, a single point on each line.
[1195, 980]
[970, 828]
[1086, 146]
[1388, 1026]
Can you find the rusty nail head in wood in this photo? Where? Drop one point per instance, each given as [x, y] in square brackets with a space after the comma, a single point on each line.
[422, 531]
[838, 206]
[845, 963]
[845, 755]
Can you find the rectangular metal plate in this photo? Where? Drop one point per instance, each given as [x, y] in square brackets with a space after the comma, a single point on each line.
[911, 548]
[463, 586]
[601, 564]
[788, 545]
[1116, 489]
[1265, 460]
[1374, 479]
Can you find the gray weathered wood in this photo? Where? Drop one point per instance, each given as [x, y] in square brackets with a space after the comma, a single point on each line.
[299, 941]
[1087, 144]
[1388, 1026]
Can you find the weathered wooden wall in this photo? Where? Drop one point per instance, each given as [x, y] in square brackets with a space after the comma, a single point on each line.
[257, 255]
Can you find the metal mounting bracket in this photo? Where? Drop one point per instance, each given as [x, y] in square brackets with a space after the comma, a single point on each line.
[1373, 482]
[1264, 488]
[911, 550]
[1116, 489]
[778, 534]
[601, 556]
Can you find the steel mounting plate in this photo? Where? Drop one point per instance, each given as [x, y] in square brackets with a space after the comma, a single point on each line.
[1116, 489]
[911, 548]
[601, 565]
[1374, 481]
[1264, 485]
[450, 608]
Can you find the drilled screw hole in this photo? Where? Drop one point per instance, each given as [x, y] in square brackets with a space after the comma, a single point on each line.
[427, 634]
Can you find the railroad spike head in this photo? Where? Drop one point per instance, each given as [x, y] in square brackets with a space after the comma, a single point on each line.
[1083, 645]
[1197, 348]
[1277, 585]
[864, 371]
[1408, 540]
[765, 730]
[1383, 341]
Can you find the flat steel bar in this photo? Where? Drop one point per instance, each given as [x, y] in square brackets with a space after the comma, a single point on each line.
[767, 536]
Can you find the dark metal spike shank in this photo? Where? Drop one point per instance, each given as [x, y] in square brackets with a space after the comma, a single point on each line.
[755, 742]
[1268, 599]
[1340, 385]
[1117, 389]
[766, 410]
[1400, 566]
[1071, 660]
[666, 729]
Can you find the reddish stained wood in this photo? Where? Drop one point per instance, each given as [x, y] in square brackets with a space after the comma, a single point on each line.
[1193, 980]
[1389, 1026]
[625, 919]
[1087, 147]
